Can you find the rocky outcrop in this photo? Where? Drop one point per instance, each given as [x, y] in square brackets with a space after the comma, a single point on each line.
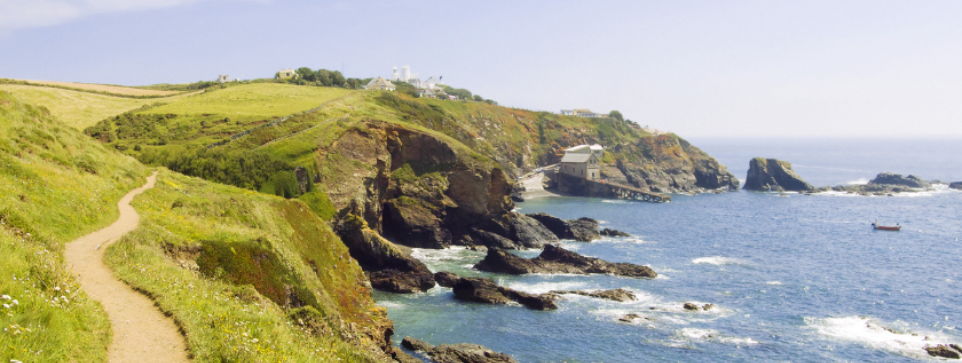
[910, 181]
[457, 353]
[582, 229]
[387, 267]
[693, 307]
[950, 351]
[446, 279]
[775, 175]
[487, 291]
[667, 163]
[614, 233]
[956, 185]
[620, 295]
[529, 232]
[558, 260]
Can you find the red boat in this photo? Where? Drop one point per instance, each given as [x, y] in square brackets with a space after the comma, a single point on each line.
[895, 228]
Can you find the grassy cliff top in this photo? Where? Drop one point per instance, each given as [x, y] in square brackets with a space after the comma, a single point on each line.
[257, 99]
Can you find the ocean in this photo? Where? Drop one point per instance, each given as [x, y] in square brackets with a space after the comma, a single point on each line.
[793, 279]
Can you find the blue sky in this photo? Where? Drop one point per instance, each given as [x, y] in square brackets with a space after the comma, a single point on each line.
[697, 68]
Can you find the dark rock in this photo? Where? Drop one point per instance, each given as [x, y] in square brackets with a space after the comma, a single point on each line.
[516, 193]
[584, 229]
[956, 185]
[773, 174]
[614, 233]
[401, 356]
[494, 240]
[445, 279]
[943, 351]
[956, 347]
[554, 224]
[910, 181]
[707, 307]
[581, 229]
[478, 248]
[457, 353]
[387, 267]
[667, 163]
[691, 307]
[529, 232]
[484, 290]
[620, 295]
[558, 260]
[629, 317]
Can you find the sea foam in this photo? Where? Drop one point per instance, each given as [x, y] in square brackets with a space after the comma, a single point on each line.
[871, 333]
[717, 261]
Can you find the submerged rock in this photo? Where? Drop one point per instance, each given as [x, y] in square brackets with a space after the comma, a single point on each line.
[558, 260]
[620, 295]
[691, 307]
[773, 174]
[484, 290]
[457, 353]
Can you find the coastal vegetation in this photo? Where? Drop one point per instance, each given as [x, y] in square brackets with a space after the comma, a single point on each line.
[56, 184]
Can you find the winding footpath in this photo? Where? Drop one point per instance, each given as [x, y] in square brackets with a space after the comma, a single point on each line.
[141, 332]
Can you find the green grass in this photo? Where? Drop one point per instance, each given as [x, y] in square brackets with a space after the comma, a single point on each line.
[79, 109]
[252, 251]
[55, 185]
[262, 100]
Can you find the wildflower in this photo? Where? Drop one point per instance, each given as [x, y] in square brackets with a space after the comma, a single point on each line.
[64, 298]
[6, 306]
[5, 297]
[56, 288]
[16, 303]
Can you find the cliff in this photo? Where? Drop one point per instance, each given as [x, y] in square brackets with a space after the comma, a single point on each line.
[775, 175]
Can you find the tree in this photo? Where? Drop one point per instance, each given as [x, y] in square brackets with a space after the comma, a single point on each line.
[306, 74]
[478, 98]
[337, 79]
[616, 115]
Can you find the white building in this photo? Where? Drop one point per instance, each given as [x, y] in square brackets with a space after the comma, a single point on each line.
[586, 166]
[581, 112]
[380, 84]
[405, 73]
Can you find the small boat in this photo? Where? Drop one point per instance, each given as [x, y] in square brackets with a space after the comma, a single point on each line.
[894, 228]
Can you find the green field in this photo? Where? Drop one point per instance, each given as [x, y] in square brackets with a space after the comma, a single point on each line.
[76, 108]
[56, 184]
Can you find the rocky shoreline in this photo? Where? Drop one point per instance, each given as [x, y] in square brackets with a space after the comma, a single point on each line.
[775, 175]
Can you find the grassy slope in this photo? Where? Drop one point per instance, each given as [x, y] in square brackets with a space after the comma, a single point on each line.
[55, 185]
[78, 109]
[249, 239]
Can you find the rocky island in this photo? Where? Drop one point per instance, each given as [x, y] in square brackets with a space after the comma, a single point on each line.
[774, 175]
[558, 260]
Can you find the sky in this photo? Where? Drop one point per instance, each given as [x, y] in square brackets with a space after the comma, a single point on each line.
[727, 69]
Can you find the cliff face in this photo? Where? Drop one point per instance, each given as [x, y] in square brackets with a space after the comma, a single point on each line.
[777, 175]
[413, 187]
[667, 163]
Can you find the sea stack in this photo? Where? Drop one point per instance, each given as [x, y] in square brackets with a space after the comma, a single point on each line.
[773, 174]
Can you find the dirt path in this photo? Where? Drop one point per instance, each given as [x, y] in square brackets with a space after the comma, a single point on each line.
[141, 332]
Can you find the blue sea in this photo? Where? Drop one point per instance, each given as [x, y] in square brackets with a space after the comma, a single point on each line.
[793, 279]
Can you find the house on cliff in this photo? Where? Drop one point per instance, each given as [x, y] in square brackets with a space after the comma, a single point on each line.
[380, 84]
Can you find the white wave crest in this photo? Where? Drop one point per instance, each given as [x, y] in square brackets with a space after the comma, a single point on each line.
[774, 283]
[861, 181]
[711, 335]
[545, 286]
[717, 261]
[871, 333]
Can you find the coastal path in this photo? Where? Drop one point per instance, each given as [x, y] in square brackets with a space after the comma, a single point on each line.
[141, 332]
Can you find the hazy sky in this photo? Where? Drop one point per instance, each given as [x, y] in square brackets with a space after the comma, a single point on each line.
[697, 68]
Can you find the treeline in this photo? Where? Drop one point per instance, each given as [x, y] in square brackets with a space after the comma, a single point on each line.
[326, 78]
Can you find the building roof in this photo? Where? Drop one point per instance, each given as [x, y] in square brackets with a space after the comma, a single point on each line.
[576, 148]
[576, 158]
[597, 147]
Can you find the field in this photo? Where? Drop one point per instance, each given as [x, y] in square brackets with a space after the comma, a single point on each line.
[79, 109]
[263, 100]
[55, 185]
[121, 90]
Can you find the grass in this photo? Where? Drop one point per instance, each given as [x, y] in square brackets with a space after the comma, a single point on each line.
[55, 185]
[103, 88]
[262, 100]
[75, 108]
[271, 283]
